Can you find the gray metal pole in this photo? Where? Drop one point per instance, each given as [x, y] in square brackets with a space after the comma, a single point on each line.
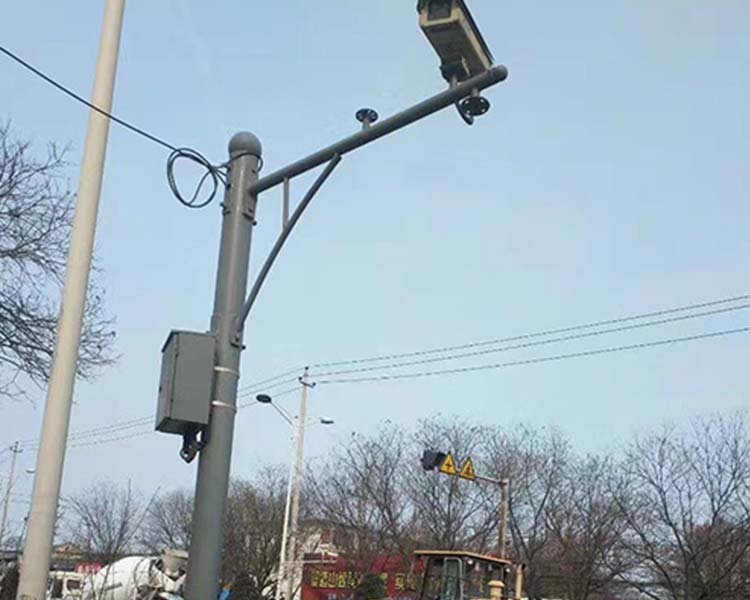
[51, 457]
[8, 489]
[204, 563]
[291, 571]
[384, 127]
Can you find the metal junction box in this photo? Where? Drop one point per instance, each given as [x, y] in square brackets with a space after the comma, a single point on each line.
[187, 366]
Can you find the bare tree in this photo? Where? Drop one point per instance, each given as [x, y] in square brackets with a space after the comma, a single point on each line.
[360, 493]
[36, 210]
[103, 521]
[252, 539]
[586, 529]
[535, 461]
[688, 510]
[168, 522]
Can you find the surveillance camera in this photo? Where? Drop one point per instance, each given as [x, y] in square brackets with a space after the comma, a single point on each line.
[454, 34]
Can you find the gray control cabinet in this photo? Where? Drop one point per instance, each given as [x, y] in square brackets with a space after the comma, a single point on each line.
[187, 368]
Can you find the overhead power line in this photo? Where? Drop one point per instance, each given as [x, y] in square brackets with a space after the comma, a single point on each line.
[526, 336]
[530, 361]
[81, 437]
[523, 345]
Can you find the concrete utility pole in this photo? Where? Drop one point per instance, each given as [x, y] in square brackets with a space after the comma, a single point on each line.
[204, 562]
[16, 450]
[49, 466]
[291, 571]
[504, 498]
[285, 526]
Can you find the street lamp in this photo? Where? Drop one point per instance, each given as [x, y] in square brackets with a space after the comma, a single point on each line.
[189, 408]
[295, 475]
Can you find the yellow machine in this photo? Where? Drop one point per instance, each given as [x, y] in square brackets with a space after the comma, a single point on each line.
[462, 575]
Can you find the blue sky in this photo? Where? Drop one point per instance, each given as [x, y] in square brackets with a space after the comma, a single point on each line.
[610, 178]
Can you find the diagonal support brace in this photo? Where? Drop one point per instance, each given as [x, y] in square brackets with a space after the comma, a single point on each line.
[288, 226]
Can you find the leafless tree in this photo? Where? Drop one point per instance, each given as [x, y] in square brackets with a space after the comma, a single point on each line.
[36, 210]
[168, 522]
[360, 492]
[252, 537]
[103, 520]
[586, 528]
[688, 510]
[535, 461]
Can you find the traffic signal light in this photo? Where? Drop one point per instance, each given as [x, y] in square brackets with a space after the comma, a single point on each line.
[432, 459]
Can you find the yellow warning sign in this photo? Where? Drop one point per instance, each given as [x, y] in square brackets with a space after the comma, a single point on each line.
[467, 471]
[448, 465]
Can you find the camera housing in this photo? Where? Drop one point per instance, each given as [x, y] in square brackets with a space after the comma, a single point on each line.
[454, 35]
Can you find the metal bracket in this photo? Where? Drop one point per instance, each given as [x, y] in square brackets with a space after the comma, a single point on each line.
[307, 384]
[191, 445]
[263, 273]
[227, 370]
[218, 404]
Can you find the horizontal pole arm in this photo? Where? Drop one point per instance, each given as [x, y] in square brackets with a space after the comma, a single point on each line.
[491, 480]
[389, 125]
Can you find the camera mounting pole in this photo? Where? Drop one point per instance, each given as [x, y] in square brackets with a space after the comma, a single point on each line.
[230, 313]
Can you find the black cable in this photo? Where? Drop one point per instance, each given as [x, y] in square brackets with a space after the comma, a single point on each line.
[82, 100]
[523, 345]
[256, 384]
[214, 172]
[526, 336]
[530, 361]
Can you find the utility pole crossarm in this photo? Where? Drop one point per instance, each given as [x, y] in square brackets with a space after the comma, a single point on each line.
[407, 117]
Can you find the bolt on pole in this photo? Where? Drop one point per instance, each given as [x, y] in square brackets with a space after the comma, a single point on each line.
[49, 467]
[204, 562]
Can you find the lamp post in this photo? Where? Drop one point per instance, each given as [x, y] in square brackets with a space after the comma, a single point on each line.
[216, 424]
[294, 484]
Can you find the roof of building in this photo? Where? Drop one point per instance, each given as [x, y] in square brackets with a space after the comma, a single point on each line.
[462, 554]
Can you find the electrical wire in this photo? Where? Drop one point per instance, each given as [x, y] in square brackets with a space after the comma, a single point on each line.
[249, 392]
[216, 173]
[274, 378]
[530, 361]
[106, 430]
[526, 336]
[82, 100]
[275, 397]
[554, 340]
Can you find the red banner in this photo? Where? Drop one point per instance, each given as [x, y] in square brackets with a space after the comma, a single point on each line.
[337, 579]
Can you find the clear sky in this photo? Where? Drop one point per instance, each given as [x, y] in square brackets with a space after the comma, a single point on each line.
[610, 178]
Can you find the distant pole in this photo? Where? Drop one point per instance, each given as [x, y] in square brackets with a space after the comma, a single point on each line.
[291, 571]
[15, 449]
[51, 457]
[285, 527]
[504, 498]
[238, 219]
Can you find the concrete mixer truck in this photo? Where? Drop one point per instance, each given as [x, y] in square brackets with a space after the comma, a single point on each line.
[139, 578]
